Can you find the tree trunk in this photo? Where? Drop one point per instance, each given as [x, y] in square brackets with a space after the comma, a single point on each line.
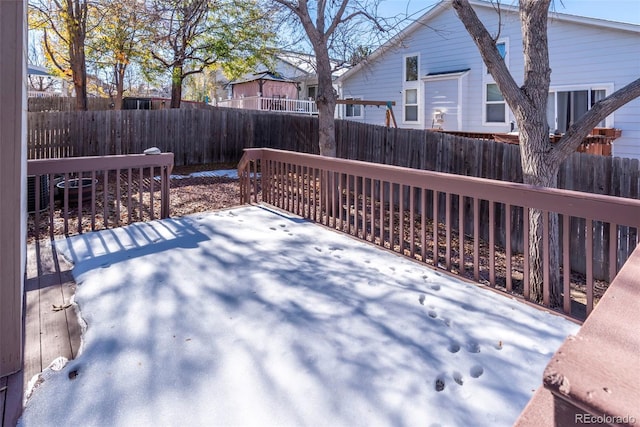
[79, 71]
[176, 86]
[326, 101]
[119, 71]
[540, 170]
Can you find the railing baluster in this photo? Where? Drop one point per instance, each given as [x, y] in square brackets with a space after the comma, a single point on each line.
[140, 185]
[476, 239]
[151, 191]
[372, 213]
[492, 243]
[589, 250]
[525, 255]
[255, 181]
[566, 265]
[36, 197]
[381, 213]
[79, 225]
[364, 208]
[613, 246]
[423, 225]
[51, 204]
[401, 219]
[93, 200]
[461, 266]
[508, 254]
[65, 204]
[435, 229]
[355, 204]
[392, 245]
[105, 191]
[545, 259]
[129, 192]
[448, 222]
[118, 209]
[412, 220]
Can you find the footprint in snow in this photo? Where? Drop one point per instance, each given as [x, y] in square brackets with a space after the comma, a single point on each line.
[473, 347]
[421, 299]
[439, 386]
[318, 249]
[433, 314]
[454, 347]
[458, 378]
[476, 371]
[435, 287]
[272, 228]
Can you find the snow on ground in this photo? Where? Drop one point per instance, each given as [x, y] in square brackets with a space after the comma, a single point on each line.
[254, 317]
[227, 173]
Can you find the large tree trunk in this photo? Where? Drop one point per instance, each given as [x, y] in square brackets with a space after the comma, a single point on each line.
[79, 71]
[326, 101]
[539, 170]
[76, 26]
[176, 87]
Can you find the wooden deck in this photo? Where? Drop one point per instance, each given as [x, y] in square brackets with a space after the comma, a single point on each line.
[51, 326]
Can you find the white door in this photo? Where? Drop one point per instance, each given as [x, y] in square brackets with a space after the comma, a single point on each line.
[441, 104]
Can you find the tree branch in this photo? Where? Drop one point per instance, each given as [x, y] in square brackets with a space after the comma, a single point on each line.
[490, 55]
[601, 109]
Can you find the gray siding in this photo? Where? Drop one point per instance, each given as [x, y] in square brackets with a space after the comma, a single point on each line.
[580, 54]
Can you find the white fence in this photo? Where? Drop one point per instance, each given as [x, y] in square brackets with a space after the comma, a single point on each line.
[283, 105]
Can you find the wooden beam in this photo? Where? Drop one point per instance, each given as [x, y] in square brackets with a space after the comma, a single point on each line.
[362, 102]
[12, 191]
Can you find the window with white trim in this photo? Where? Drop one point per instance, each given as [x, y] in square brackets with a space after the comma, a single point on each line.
[411, 88]
[495, 106]
[566, 105]
[353, 111]
[411, 105]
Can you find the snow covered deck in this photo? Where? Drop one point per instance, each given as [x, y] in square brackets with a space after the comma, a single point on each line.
[252, 316]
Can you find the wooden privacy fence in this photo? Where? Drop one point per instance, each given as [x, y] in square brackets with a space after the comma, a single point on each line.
[388, 206]
[195, 136]
[73, 195]
[221, 134]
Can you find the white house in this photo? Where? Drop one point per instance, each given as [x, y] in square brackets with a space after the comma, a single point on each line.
[434, 73]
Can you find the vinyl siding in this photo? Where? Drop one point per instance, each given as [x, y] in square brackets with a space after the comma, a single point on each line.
[580, 54]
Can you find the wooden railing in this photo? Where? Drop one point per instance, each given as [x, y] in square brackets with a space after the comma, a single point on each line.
[282, 105]
[77, 194]
[424, 215]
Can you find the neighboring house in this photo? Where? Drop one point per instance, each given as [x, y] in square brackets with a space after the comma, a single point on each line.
[290, 77]
[41, 83]
[266, 84]
[434, 73]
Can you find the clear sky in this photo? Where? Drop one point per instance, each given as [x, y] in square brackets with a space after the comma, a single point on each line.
[614, 10]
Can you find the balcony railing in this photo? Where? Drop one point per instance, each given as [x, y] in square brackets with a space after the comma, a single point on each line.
[76, 194]
[281, 105]
[436, 218]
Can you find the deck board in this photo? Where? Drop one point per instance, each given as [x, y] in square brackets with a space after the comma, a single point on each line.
[48, 334]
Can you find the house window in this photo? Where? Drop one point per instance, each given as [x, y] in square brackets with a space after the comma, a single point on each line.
[502, 50]
[311, 92]
[411, 68]
[411, 105]
[496, 107]
[565, 107]
[354, 110]
[411, 88]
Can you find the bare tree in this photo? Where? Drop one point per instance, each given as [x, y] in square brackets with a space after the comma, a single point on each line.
[541, 160]
[326, 24]
[64, 24]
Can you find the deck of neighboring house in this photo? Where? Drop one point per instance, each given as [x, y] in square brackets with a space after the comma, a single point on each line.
[51, 326]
